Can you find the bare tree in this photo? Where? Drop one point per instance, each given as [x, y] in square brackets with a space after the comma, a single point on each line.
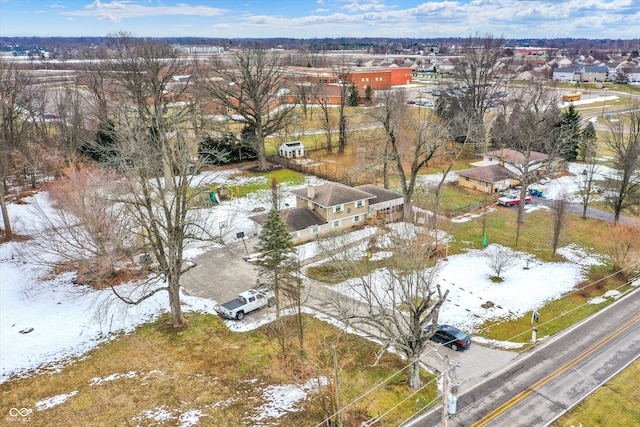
[18, 96]
[533, 126]
[83, 226]
[559, 218]
[623, 140]
[624, 249]
[394, 304]
[322, 100]
[154, 156]
[500, 258]
[252, 91]
[422, 138]
[342, 72]
[586, 184]
[474, 73]
[389, 111]
[72, 129]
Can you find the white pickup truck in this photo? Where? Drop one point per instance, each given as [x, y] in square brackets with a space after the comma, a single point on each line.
[246, 302]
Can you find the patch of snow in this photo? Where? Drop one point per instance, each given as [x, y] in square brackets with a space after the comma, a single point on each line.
[190, 418]
[597, 300]
[577, 255]
[54, 401]
[156, 414]
[467, 278]
[507, 345]
[282, 399]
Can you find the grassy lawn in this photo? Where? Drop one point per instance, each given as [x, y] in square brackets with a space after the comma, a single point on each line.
[209, 369]
[590, 234]
[283, 176]
[616, 404]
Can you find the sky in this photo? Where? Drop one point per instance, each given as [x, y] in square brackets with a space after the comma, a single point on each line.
[594, 19]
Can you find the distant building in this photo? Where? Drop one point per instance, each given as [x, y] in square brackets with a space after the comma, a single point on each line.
[291, 150]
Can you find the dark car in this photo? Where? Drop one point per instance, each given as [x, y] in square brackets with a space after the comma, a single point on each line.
[450, 336]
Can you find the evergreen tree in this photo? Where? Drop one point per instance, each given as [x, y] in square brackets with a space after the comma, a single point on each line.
[354, 96]
[105, 146]
[498, 134]
[588, 143]
[276, 244]
[570, 131]
[368, 95]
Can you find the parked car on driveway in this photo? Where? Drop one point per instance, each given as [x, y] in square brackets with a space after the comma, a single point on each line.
[451, 337]
[246, 302]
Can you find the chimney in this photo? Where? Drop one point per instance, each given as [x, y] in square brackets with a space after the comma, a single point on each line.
[311, 192]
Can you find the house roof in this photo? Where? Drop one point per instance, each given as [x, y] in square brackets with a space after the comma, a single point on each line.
[595, 69]
[334, 194]
[515, 157]
[564, 70]
[493, 173]
[296, 218]
[381, 194]
[292, 144]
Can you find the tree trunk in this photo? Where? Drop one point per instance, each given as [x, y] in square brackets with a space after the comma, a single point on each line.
[414, 373]
[178, 320]
[262, 156]
[8, 232]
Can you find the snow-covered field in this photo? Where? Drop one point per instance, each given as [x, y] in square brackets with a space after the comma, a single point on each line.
[46, 319]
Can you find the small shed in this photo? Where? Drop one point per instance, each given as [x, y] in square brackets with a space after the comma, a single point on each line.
[291, 150]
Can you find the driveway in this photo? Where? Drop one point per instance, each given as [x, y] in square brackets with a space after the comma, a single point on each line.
[221, 273]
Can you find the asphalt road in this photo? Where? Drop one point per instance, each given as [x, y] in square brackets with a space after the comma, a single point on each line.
[546, 381]
[591, 212]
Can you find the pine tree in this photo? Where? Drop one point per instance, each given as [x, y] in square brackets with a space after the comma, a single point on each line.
[354, 96]
[276, 244]
[570, 132]
[588, 142]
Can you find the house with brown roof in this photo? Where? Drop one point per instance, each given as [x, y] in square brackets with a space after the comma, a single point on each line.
[490, 179]
[501, 168]
[386, 206]
[329, 208]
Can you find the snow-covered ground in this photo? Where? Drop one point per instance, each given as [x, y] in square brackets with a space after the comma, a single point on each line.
[45, 319]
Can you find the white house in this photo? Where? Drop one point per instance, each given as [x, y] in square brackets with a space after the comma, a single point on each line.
[565, 74]
[291, 149]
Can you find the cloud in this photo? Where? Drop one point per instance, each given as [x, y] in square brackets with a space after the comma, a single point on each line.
[357, 6]
[118, 10]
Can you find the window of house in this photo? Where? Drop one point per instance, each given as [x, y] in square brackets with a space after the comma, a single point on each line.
[336, 223]
[466, 178]
[359, 203]
[356, 218]
[338, 208]
[315, 229]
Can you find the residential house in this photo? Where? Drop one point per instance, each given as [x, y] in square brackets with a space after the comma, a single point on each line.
[594, 73]
[490, 179]
[291, 150]
[386, 206]
[632, 75]
[568, 74]
[324, 209]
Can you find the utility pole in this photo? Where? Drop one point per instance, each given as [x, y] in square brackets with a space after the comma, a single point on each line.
[445, 392]
[449, 388]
